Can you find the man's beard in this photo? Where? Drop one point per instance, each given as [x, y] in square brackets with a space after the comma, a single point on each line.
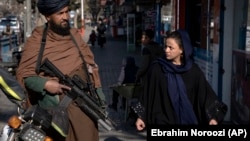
[58, 29]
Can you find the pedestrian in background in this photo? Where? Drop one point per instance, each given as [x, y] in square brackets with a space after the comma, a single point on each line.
[101, 29]
[150, 51]
[8, 31]
[92, 38]
[127, 76]
[176, 90]
[65, 48]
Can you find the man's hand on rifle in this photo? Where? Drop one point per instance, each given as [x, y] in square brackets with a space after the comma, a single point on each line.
[87, 103]
[55, 87]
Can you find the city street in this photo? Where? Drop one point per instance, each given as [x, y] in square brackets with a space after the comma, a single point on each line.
[109, 60]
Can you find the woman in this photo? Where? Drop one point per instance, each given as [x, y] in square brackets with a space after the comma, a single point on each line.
[127, 76]
[176, 90]
[92, 38]
[101, 28]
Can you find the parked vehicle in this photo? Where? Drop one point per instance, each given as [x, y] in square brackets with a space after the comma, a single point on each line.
[29, 123]
[27, 126]
[12, 21]
[14, 57]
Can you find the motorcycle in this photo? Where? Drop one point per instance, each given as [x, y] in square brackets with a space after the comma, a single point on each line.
[32, 123]
[28, 126]
[29, 123]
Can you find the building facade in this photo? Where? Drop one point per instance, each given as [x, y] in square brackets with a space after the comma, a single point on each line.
[220, 33]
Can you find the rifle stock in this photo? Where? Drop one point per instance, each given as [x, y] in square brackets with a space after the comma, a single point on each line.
[85, 99]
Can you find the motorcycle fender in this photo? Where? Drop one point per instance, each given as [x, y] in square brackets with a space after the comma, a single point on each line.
[5, 132]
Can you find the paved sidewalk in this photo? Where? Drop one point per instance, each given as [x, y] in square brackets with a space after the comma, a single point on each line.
[109, 60]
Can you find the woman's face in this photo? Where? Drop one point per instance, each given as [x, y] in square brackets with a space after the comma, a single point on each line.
[145, 40]
[173, 51]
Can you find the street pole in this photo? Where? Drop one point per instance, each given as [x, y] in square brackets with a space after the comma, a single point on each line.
[28, 19]
[82, 9]
[82, 17]
[158, 21]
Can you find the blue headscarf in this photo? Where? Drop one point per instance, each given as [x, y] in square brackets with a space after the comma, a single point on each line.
[48, 7]
[176, 87]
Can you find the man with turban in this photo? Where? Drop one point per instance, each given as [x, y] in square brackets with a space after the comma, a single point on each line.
[65, 48]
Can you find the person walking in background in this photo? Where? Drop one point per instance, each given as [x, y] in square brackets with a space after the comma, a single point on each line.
[92, 38]
[150, 51]
[176, 90]
[65, 48]
[101, 28]
[8, 31]
[127, 75]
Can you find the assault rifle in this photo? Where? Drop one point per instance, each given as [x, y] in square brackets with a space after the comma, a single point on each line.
[81, 92]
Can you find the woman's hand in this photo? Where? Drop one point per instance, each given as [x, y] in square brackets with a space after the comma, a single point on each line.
[140, 125]
[55, 87]
[213, 122]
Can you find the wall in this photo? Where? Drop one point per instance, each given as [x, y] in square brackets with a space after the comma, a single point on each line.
[228, 38]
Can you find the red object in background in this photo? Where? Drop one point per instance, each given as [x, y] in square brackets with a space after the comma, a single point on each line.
[103, 2]
[81, 31]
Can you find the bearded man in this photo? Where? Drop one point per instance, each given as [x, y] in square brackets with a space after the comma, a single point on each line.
[65, 48]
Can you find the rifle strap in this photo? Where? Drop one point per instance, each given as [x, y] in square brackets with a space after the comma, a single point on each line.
[43, 42]
[84, 67]
[82, 58]
[66, 99]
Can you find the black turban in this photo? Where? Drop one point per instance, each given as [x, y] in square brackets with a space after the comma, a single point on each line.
[48, 7]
